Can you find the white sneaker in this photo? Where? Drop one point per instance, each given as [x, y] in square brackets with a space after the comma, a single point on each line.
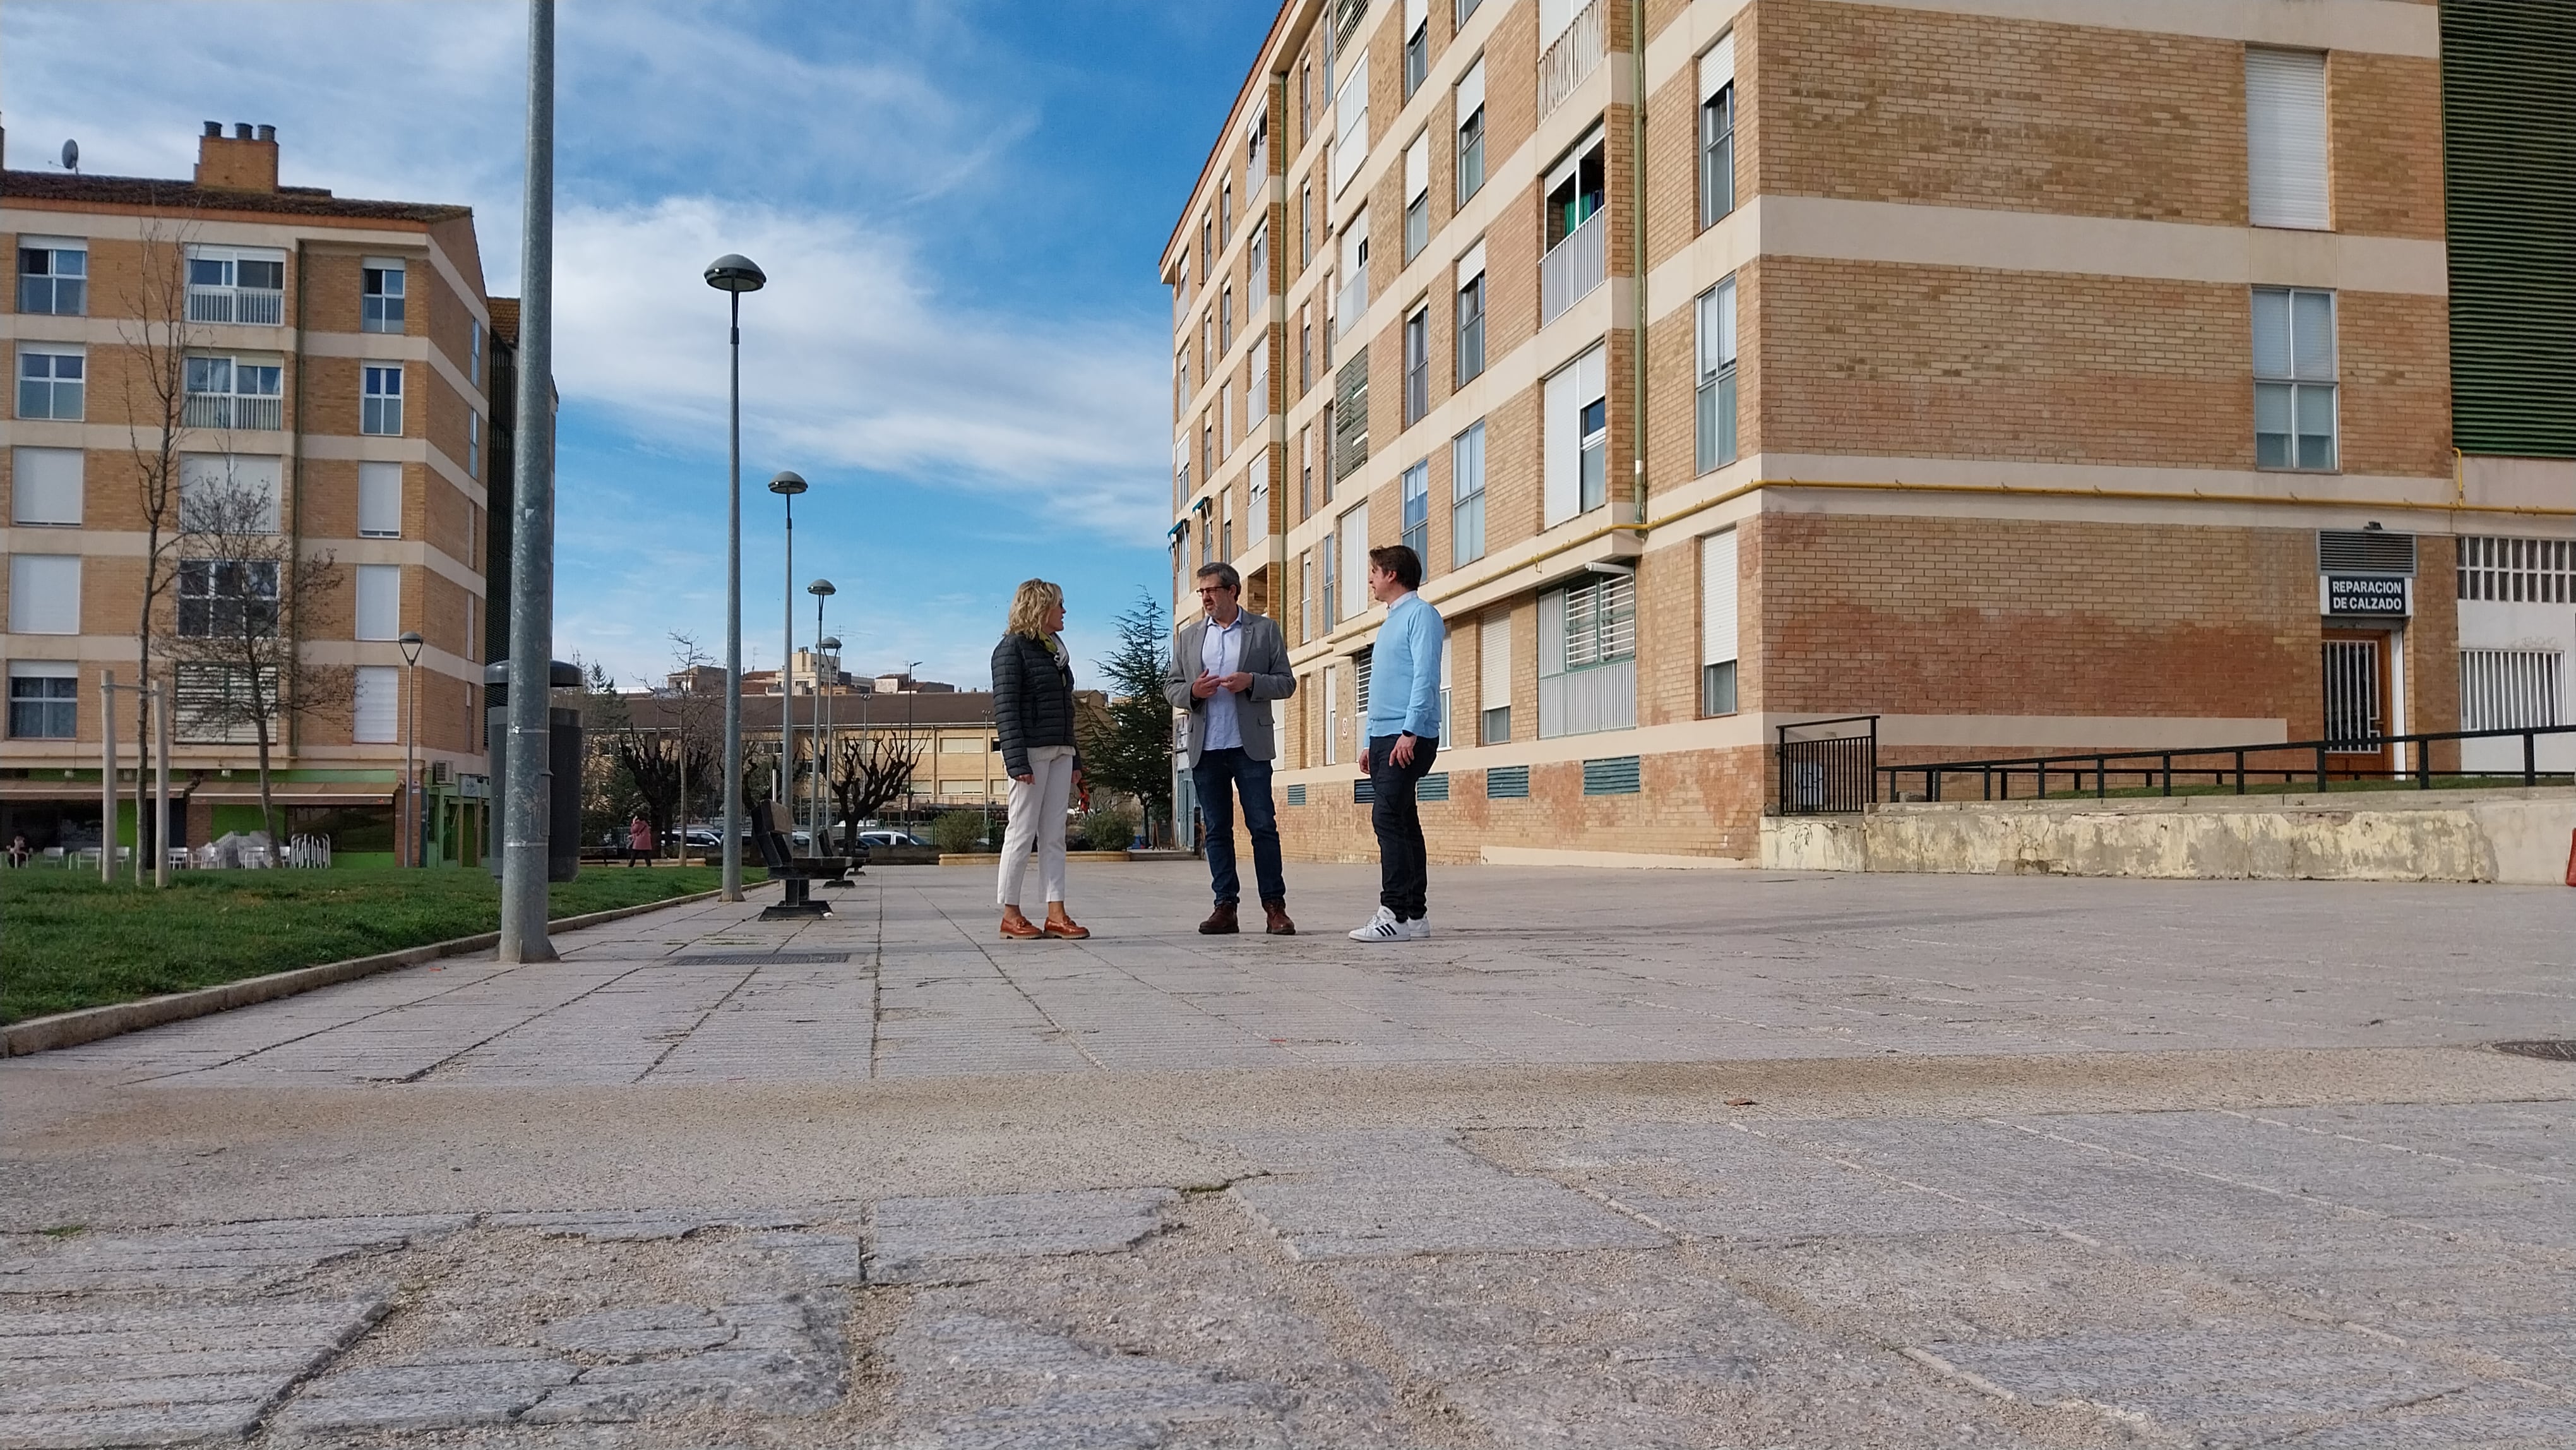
[1418, 929]
[1382, 927]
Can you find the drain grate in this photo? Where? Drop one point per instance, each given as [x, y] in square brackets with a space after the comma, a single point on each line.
[768, 959]
[2553, 1049]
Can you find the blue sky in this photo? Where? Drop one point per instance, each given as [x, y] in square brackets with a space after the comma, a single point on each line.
[960, 205]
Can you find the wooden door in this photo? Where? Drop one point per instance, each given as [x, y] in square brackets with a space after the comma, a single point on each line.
[2357, 683]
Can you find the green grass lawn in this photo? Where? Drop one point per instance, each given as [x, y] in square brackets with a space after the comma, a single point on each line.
[68, 941]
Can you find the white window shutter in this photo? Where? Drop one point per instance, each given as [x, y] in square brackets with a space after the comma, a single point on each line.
[1471, 91]
[1553, 17]
[1471, 263]
[2285, 138]
[1717, 68]
[1355, 245]
[1494, 663]
[1417, 169]
[1417, 13]
[379, 601]
[1561, 461]
[1355, 546]
[1350, 124]
[380, 500]
[379, 705]
[1594, 371]
[45, 486]
[44, 594]
[1717, 617]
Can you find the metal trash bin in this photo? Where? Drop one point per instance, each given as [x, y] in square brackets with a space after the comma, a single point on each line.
[563, 763]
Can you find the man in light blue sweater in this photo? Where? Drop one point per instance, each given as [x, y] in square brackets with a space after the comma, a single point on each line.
[1403, 732]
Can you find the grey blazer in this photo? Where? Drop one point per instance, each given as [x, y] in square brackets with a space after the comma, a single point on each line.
[1265, 658]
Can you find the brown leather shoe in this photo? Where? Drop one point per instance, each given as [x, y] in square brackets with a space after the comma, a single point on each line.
[1280, 925]
[1221, 921]
[1064, 926]
[1020, 928]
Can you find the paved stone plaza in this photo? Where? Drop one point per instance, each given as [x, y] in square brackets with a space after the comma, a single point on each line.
[1617, 1159]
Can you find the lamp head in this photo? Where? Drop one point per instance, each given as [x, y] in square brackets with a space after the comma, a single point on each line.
[788, 483]
[734, 272]
[411, 642]
[821, 589]
[829, 644]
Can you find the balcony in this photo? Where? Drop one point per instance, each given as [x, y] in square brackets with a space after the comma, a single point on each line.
[257, 306]
[1569, 272]
[1349, 303]
[229, 410]
[1570, 58]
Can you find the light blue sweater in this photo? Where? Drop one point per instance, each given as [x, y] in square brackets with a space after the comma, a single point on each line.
[1404, 672]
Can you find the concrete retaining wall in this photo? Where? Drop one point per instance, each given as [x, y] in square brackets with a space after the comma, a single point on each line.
[2512, 836]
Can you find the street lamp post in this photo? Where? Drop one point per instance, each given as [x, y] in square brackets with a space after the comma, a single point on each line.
[734, 274]
[911, 720]
[821, 589]
[411, 642]
[829, 646]
[787, 484]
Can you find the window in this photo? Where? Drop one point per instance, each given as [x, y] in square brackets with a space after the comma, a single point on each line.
[473, 445]
[1417, 44]
[1257, 270]
[2294, 378]
[1351, 411]
[215, 703]
[237, 284]
[1305, 473]
[44, 699]
[1448, 737]
[1350, 124]
[1332, 706]
[1587, 657]
[1467, 8]
[1417, 365]
[1305, 223]
[1305, 101]
[1225, 429]
[380, 411]
[1471, 313]
[1180, 382]
[1225, 522]
[53, 276]
[1225, 207]
[228, 493]
[235, 392]
[1256, 158]
[381, 301]
[1360, 664]
[1575, 422]
[1256, 522]
[45, 485]
[2285, 139]
[1256, 399]
[1471, 131]
[1354, 297]
[1717, 132]
[1354, 534]
[1417, 197]
[2517, 571]
[52, 383]
[380, 500]
[1417, 510]
[1332, 598]
[1577, 254]
[1207, 343]
[474, 354]
[1716, 345]
[1494, 680]
[221, 599]
[1305, 596]
[1207, 245]
[378, 712]
[1305, 347]
[1225, 319]
[1467, 496]
[1207, 444]
[44, 594]
[1717, 624]
[379, 601]
[2510, 689]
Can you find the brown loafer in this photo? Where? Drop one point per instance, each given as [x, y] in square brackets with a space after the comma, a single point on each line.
[1280, 925]
[1020, 928]
[1221, 921]
[1066, 927]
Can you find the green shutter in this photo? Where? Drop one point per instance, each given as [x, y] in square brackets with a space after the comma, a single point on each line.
[2509, 166]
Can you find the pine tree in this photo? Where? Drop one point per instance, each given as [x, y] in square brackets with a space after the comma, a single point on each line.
[1130, 751]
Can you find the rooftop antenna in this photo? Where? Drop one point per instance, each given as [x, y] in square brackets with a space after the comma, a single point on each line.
[71, 156]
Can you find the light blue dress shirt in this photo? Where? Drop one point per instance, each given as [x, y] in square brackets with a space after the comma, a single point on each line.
[1404, 672]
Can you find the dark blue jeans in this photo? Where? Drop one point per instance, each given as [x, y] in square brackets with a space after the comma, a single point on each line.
[1220, 774]
[1404, 864]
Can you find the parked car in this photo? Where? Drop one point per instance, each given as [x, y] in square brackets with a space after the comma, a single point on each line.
[892, 838]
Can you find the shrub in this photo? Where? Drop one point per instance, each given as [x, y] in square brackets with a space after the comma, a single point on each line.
[957, 832]
[1109, 828]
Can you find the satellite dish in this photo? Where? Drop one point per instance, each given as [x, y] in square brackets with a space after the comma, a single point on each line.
[71, 156]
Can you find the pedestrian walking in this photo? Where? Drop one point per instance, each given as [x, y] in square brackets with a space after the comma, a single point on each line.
[1033, 712]
[1227, 666]
[639, 842]
[1403, 731]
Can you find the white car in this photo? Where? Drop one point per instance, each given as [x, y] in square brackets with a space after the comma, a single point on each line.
[891, 838]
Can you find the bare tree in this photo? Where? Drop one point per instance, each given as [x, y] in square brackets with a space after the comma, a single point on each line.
[158, 334]
[235, 659]
[659, 767]
[697, 718]
[870, 772]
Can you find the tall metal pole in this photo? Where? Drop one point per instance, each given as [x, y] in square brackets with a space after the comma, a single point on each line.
[532, 536]
[821, 828]
[787, 671]
[733, 627]
[411, 765]
[107, 779]
[161, 722]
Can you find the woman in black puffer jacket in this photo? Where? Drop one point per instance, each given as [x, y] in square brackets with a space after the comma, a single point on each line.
[1033, 712]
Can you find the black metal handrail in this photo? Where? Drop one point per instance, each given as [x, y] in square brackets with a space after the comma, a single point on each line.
[1830, 775]
[2101, 765]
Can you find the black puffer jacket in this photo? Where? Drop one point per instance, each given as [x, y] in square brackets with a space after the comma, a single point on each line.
[1032, 699]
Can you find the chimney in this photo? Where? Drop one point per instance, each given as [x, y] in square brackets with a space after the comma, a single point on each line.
[239, 162]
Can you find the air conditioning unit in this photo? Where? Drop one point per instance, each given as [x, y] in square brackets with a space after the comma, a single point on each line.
[439, 773]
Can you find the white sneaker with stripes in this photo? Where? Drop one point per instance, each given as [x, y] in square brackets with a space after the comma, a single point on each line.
[1418, 929]
[1382, 927]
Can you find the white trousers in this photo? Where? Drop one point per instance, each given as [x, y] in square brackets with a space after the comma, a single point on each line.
[1037, 822]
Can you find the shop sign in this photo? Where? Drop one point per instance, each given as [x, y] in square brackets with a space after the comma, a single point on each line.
[2371, 595]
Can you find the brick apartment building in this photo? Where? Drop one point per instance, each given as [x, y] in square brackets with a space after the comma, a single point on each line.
[339, 357]
[2018, 373]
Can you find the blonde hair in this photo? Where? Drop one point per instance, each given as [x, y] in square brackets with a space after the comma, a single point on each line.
[1029, 609]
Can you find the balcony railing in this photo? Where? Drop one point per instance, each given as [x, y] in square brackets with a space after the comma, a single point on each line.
[254, 305]
[228, 410]
[1350, 302]
[1571, 58]
[1576, 266]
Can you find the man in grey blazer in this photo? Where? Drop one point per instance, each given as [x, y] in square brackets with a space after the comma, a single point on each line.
[1227, 666]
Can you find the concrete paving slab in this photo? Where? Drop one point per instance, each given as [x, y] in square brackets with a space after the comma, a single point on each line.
[923, 1239]
[1375, 1195]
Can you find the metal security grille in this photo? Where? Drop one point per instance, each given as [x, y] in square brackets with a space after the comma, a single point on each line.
[2352, 697]
[1432, 788]
[2510, 689]
[1828, 773]
[1350, 416]
[1363, 792]
[1296, 795]
[2365, 551]
[2518, 571]
[1618, 775]
[1507, 783]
